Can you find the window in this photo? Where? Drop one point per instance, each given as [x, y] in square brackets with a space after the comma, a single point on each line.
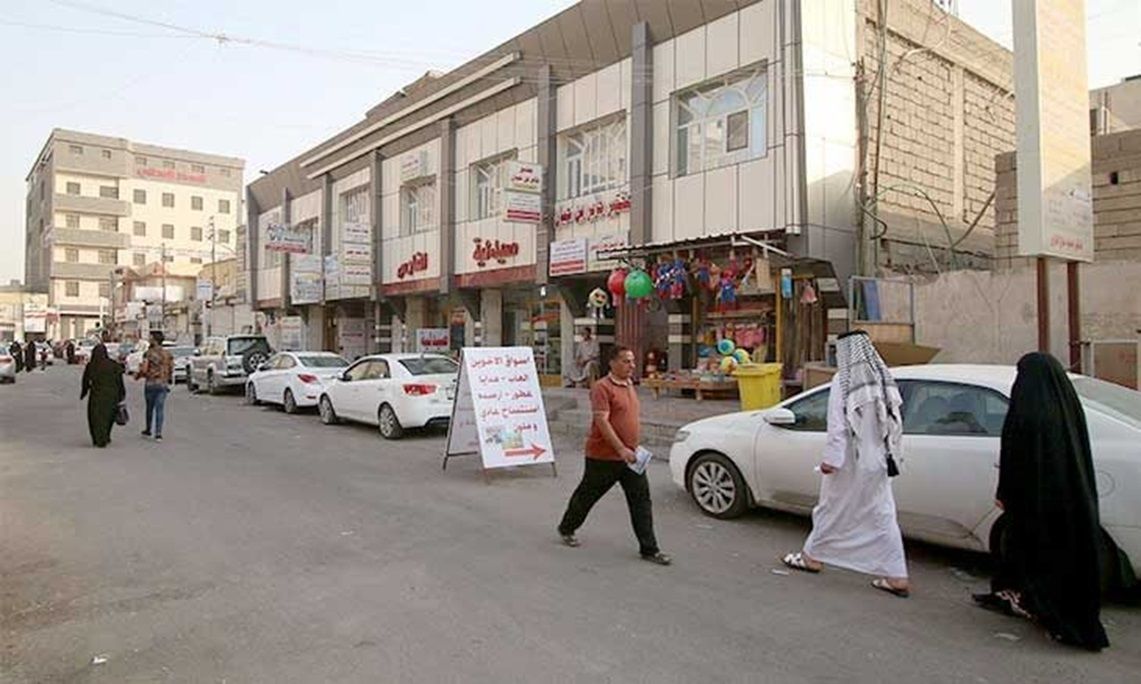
[195, 260]
[944, 408]
[168, 199]
[430, 365]
[593, 159]
[72, 220]
[354, 209]
[811, 412]
[167, 231]
[323, 361]
[71, 255]
[109, 224]
[224, 236]
[73, 188]
[223, 206]
[196, 233]
[377, 370]
[140, 197]
[167, 164]
[105, 290]
[71, 288]
[721, 123]
[140, 228]
[168, 259]
[109, 192]
[196, 203]
[224, 172]
[417, 208]
[106, 154]
[487, 188]
[141, 161]
[197, 168]
[75, 149]
[358, 371]
[139, 259]
[108, 257]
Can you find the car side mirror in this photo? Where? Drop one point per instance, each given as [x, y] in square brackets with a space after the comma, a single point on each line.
[345, 377]
[779, 416]
[263, 367]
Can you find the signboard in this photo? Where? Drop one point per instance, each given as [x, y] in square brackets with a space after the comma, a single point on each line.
[204, 290]
[292, 333]
[305, 279]
[35, 319]
[493, 251]
[522, 207]
[522, 192]
[568, 257]
[523, 177]
[498, 412]
[432, 340]
[281, 237]
[352, 341]
[413, 166]
[332, 276]
[357, 252]
[1055, 200]
[593, 208]
[602, 245]
[418, 263]
[356, 232]
[353, 273]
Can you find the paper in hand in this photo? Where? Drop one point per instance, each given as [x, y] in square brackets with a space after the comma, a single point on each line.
[642, 457]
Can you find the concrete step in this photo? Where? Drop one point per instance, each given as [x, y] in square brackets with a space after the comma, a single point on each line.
[657, 434]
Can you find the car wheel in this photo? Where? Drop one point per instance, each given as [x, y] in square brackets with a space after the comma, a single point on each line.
[289, 404]
[211, 389]
[717, 487]
[389, 424]
[251, 394]
[325, 408]
[252, 359]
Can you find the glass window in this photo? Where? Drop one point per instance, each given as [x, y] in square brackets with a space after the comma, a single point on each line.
[139, 259]
[73, 188]
[323, 362]
[168, 259]
[286, 362]
[108, 224]
[487, 188]
[358, 371]
[353, 207]
[71, 288]
[109, 192]
[167, 231]
[141, 161]
[168, 199]
[944, 408]
[105, 290]
[417, 208]
[1120, 402]
[377, 370]
[197, 168]
[240, 345]
[429, 365]
[108, 256]
[140, 228]
[75, 149]
[196, 233]
[223, 206]
[106, 154]
[593, 159]
[196, 203]
[167, 164]
[140, 196]
[811, 412]
[722, 122]
[71, 255]
[72, 220]
[195, 260]
[224, 236]
[224, 172]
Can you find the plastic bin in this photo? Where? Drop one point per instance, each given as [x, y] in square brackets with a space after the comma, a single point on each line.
[759, 385]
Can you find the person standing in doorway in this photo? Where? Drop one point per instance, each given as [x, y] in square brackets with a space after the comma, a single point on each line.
[103, 381]
[854, 524]
[586, 354]
[610, 447]
[157, 370]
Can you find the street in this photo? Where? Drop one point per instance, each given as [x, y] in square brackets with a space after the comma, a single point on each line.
[252, 546]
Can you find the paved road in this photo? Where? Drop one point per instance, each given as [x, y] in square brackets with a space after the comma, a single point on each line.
[257, 547]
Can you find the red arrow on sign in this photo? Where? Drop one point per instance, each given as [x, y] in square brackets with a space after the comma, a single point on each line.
[534, 450]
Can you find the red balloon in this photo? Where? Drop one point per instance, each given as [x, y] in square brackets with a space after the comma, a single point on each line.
[616, 283]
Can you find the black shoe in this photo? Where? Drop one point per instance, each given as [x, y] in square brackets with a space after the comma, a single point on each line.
[158, 438]
[145, 433]
[659, 558]
[569, 539]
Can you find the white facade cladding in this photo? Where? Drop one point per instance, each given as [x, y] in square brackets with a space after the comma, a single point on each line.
[348, 272]
[410, 220]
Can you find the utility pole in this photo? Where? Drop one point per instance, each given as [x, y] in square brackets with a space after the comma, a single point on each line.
[162, 264]
[213, 277]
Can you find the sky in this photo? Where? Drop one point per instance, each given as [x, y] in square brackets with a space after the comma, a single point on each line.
[76, 64]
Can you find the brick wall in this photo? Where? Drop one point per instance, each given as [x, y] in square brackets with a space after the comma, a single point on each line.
[1116, 175]
[948, 111]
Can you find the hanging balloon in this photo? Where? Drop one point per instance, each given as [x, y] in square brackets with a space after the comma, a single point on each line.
[616, 283]
[639, 284]
[725, 346]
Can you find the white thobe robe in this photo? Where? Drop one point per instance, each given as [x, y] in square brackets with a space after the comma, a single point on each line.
[854, 524]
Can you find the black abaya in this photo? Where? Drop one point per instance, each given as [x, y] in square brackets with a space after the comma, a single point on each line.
[1051, 549]
[30, 356]
[103, 380]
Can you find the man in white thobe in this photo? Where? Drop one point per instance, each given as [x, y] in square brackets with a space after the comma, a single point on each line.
[854, 524]
[585, 360]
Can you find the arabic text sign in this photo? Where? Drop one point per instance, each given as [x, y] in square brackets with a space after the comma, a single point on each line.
[432, 340]
[568, 256]
[522, 207]
[499, 409]
[285, 238]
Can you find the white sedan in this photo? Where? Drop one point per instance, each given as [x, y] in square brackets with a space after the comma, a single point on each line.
[953, 418]
[295, 380]
[393, 392]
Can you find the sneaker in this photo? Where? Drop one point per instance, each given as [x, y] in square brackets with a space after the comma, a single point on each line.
[145, 433]
[658, 558]
[570, 540]
[158, 438]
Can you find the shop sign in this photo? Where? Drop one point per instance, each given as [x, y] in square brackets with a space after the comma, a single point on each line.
[356, 232]
[170, 174]
[355, 252]
[292, 329]
[353, 343]
[593, 209]
[35, 319]
[417, 264]
[305, 279]
[413, 166]
[524, 177]
[281, 237]
[602, 245]
[356, 274]
[568, 257]
[493, 250]
[204, 290]
[522, 207]
[432, 340]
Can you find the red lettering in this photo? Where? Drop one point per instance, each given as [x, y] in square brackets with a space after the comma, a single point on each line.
[418, 263]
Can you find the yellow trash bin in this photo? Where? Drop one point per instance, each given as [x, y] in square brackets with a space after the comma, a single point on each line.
[759, 385]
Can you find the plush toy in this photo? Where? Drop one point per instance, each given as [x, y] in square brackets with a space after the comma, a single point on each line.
[726, 292]
[702, 273]
[662, 279]
[679, 279]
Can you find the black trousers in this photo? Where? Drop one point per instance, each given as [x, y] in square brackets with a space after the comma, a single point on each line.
[597, 479]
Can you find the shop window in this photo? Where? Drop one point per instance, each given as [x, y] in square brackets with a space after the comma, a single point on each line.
[417, 208]
[487, 188]
[593, 159]
[721, 123]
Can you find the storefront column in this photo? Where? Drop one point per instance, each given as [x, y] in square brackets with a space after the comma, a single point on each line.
[680, 341]
[631, 321]
[491, 315]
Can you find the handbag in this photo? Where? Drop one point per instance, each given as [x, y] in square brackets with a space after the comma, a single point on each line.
[121, 415]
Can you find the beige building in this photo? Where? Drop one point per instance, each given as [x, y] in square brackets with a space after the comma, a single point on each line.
[1116, 108]
[97, 203]
[23, 314]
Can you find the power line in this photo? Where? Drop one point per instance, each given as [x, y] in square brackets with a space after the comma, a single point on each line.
[100, 32]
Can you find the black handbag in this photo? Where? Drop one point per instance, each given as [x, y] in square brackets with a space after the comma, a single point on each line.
[121, 415]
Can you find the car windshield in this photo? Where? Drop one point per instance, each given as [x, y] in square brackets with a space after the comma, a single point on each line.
[323, 361]
[1120, 402]
[240, 345]
[180, 352]
[430, 365]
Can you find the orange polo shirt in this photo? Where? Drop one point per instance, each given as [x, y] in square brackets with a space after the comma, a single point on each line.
[621, 401]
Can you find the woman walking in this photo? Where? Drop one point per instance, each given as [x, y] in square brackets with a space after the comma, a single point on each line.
[1049, 555]
[103, 380]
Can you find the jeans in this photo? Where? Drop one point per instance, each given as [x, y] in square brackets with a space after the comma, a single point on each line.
[597, 479]
[156, 403]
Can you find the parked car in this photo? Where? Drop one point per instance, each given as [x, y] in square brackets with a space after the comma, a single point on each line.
[295, 380]
[953, 417]
[7, 366]
[393, 392]
[182, 355]
[226, 362]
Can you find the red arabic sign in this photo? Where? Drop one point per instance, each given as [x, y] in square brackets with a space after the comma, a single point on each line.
[418, 263]
[594, 210]
[171, 174]
[490, 250]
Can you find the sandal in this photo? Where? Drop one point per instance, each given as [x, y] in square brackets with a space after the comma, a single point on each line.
[659, 558]
[884, 585]
[797, 561]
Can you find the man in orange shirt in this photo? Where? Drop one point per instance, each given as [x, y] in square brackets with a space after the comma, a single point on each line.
[614, 435]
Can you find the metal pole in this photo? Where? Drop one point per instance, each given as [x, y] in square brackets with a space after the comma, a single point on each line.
[162, 323]
[213, 277]
[1073, 297]
[1043, 306]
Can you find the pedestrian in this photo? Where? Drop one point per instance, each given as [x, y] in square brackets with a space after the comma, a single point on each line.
[103, 380]
[157, 369]
[854, 523]
[69, 352]
[29, 355]
[18, 354]
[586, 354]
[610, 447]
[1050, 547]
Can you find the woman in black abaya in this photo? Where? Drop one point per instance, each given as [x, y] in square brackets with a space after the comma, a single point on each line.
[1050, 551]
[103, 380]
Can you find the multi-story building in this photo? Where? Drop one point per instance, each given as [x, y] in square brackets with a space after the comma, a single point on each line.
[24, 315]
[785, 143]
[1116, 108]
[96, 204]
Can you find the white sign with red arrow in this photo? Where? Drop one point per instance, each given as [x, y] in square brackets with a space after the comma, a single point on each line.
[498, 410]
